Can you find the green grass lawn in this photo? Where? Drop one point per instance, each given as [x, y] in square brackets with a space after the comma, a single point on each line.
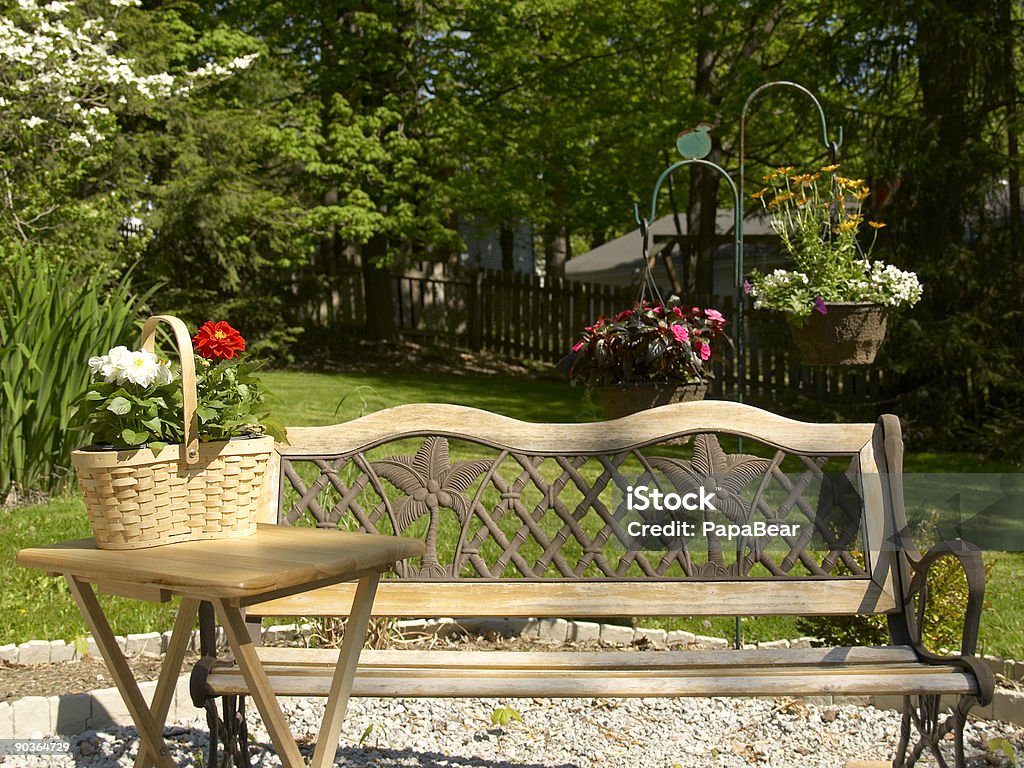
[37, 606]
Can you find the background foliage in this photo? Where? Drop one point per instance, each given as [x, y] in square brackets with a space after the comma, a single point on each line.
[362, 136]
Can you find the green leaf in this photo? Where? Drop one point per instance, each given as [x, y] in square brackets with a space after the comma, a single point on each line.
[119, 406]
[131, 437]
[502, 716]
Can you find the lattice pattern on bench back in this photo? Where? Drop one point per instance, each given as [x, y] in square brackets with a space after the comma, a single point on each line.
[493, 513]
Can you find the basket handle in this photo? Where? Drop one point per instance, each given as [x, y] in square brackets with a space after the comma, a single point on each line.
[183, 341]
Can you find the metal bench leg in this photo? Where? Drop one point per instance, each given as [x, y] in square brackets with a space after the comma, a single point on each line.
[926, 718]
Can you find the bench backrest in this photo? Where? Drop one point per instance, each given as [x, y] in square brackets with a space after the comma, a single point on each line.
[523, 519]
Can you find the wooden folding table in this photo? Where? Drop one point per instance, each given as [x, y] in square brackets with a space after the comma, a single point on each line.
[230, 573]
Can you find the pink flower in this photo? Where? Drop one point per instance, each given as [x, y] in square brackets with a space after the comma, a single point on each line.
[624, 314]
[704, 350]
[680, 333]
[677, 311]
[714, 315]
[578, 345]
[658, 309]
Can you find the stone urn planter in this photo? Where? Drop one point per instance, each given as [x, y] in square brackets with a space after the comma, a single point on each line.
[850, 334]
[619, 400]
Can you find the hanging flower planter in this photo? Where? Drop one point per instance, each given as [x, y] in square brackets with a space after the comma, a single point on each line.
[850, 333]
[648, 356]
[618, 400]
[838, 298]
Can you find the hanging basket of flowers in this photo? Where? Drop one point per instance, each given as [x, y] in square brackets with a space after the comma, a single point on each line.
[179, 456]
[654, 354]
[650, 355]
[838, 299]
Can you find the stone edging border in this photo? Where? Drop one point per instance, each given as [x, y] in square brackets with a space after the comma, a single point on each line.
[70, 714]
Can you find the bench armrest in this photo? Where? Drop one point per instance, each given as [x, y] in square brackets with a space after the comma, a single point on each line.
[916, 604]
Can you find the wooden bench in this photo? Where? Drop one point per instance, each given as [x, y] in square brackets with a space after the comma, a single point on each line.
[530, 520]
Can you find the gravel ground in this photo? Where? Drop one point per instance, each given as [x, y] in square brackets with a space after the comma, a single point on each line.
[565, 733]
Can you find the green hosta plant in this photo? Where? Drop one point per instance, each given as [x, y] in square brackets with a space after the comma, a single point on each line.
[135, 397]
[818, 217]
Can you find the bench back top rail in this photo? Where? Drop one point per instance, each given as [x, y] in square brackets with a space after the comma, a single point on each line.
[532, 519]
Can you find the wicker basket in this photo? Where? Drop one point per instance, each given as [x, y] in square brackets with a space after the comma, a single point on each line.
[136, 499]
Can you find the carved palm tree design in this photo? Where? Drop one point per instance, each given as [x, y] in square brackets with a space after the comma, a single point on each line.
[429, 482]
[728, 474]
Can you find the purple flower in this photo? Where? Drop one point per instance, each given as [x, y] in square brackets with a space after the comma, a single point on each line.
[819, 304]
[746, 287]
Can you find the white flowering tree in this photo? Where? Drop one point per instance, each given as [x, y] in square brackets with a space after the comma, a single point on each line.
[63, 87]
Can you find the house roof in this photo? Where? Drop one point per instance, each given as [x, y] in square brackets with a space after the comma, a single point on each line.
[618, 262]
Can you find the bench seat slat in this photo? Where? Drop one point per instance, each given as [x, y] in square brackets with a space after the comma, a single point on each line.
[577, 660]
[767, 681]
[597, 598]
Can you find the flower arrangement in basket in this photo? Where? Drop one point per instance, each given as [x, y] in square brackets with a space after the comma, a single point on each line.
[181, 452]
[818, 217]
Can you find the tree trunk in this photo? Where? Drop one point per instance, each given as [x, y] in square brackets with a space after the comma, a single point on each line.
[380, 302]
[702, 212]
[507, 242]
[556, 250]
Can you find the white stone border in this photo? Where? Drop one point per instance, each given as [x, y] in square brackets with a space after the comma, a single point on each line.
[77, 713]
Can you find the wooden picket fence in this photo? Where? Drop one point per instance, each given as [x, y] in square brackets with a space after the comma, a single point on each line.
[540, 318]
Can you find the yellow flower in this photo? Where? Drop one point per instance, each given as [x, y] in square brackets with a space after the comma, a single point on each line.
[847, 226]
[758, 195]
[783, 170]
[862, 193]
[829, 168]
[877, 224]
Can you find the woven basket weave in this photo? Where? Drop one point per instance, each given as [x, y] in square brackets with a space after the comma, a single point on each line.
[136, 499]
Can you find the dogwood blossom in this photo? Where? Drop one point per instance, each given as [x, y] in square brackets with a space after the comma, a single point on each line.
[62, 73]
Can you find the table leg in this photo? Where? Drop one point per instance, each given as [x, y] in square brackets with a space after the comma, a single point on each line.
[344, 672]
[150, 731]
[176, 649]
[230, 617]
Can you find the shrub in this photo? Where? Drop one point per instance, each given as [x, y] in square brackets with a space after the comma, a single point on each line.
[943, 620]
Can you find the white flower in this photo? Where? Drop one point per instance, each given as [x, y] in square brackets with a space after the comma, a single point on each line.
[163, 373]
[142, 368]
[97, 364]
[118, 360]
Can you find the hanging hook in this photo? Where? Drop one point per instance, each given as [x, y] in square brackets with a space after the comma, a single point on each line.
[833, 148]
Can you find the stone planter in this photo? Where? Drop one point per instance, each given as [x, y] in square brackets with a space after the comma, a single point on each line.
[850, 334]
[619, 400]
